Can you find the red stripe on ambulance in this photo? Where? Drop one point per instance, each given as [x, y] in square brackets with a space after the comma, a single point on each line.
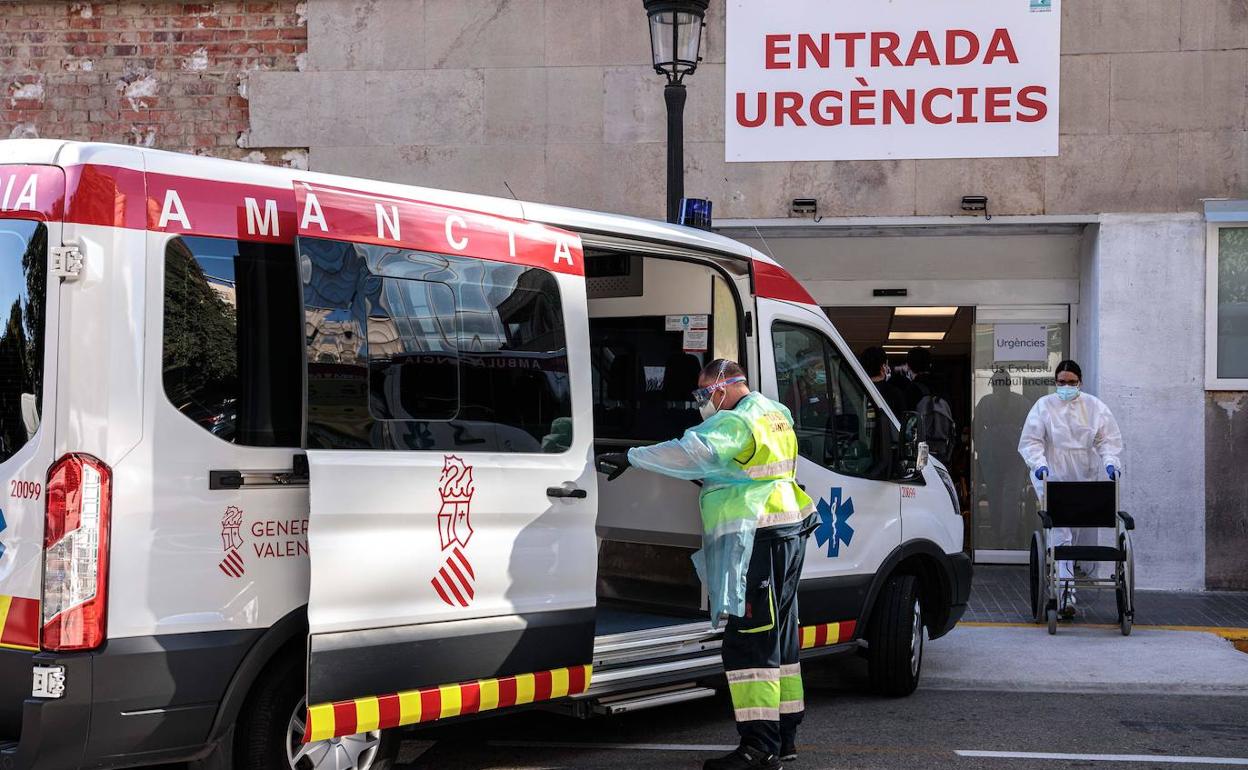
[330, 212]
[19, 623]
[330, 720]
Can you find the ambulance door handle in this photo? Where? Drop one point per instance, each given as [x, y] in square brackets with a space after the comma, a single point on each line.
[573, 492]
[225, 479]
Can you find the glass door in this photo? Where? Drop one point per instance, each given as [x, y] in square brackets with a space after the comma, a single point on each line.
[1016, 350]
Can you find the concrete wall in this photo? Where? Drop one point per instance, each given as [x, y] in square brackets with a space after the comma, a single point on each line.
[1226, 491]
[1147, 282]
[556, 97]
[1088, 322]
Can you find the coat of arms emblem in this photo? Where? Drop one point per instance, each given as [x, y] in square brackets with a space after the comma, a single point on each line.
[454, 580]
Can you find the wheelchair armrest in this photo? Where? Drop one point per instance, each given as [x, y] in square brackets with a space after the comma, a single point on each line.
[1127, 520]
[1045, 520]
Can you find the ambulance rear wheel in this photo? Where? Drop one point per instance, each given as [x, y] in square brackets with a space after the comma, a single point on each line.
[895, 638]
[269, 731]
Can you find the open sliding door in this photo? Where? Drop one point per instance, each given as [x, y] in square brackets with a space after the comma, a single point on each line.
[450, 449]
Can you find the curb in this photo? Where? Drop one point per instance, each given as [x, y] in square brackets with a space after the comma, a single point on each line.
[1237, 636]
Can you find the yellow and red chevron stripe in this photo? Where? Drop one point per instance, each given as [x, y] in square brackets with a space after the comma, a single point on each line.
[827, 633]
[19, 623]
[378, 712]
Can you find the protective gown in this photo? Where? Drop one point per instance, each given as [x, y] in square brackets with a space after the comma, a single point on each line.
[712, 452]
[1075, 440]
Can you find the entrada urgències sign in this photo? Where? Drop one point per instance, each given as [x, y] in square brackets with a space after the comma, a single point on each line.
[853, 80]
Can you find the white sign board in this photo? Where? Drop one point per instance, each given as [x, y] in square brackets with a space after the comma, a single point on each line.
[695, 339]
[679, 323]
[1020, 342]
[853, 80]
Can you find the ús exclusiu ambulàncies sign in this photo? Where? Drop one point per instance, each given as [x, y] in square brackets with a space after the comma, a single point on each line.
[854, 80]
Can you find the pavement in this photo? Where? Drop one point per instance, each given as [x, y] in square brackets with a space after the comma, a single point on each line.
[1082, 658]
[951, 722]
[1000, 594]
[998, 692]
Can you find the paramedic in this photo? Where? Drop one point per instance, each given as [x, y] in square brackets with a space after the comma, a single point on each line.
[1070, 436]
[753, 544]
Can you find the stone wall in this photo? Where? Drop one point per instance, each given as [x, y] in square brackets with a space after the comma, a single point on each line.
[1226, 491]
[156, 74]
[556, 97]
[1147, 283]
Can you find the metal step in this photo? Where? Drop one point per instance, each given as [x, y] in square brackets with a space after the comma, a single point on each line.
[645, 699]
[654, 644]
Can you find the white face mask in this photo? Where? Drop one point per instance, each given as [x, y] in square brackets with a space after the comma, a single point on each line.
[707, 409]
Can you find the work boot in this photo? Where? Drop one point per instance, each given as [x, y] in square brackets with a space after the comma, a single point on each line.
[788, 750]
[744, 758]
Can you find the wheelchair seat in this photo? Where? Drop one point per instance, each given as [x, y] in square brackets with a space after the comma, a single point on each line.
[1089, 553]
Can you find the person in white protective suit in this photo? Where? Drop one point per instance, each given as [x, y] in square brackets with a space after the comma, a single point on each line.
[1070, 436]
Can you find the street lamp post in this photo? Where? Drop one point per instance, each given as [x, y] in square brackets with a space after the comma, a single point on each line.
[675, 43]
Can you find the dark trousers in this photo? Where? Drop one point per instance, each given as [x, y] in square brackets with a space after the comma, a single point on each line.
[761, 649]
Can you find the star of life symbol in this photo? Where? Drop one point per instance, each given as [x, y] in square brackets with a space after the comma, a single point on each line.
[834, 528]
[454, 579]
[3, 526]
[231, 541]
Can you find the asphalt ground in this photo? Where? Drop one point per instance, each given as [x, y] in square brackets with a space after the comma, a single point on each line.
[846, 728]
[1178, 698]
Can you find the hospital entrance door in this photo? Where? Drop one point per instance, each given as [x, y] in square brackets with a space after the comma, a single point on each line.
[1016, 349]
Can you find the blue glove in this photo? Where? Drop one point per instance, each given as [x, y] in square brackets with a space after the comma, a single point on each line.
[1042, 473]
[1113, 472]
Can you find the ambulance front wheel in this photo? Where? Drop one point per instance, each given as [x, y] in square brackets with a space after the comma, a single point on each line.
[895, 638]
[269, 731]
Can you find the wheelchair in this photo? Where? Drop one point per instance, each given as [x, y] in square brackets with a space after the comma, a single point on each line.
[1084, 504]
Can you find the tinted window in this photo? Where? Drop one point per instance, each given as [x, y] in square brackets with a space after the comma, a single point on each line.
[23, 286]
[409, 350]
[413, 353]
[233, 356]
[1233, 302]
[837, 423]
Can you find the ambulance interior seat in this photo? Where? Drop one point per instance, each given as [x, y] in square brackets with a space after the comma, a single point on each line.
[643, 379]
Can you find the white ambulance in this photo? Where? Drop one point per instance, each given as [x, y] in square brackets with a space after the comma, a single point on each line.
[290, 460]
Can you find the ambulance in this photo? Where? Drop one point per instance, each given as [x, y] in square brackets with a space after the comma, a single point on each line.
[291, 460]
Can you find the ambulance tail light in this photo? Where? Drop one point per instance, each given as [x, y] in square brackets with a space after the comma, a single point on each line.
[75, 553]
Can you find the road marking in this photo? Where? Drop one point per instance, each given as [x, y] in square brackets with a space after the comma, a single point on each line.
[1162, 759]
[623, 746]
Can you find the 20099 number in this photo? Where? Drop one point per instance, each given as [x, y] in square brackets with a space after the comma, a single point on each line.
[25, 490]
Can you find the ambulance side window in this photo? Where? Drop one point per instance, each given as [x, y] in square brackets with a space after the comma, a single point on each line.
[412, 350]
[23, 286]
[837, 423]
[232, 355]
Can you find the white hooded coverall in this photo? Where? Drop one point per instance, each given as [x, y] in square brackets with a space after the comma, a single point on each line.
[1075, 440]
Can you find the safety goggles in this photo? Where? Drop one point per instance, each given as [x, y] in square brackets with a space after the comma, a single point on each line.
[702, 395]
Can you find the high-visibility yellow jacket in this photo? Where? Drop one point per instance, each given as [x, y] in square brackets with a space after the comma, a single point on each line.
[747, 459]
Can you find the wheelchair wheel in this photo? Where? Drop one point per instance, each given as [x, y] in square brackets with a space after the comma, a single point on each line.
[1126, 587]
[1037, 573]
[1051, 614]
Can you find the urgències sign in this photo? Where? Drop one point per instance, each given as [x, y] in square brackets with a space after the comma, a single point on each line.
[851, 80]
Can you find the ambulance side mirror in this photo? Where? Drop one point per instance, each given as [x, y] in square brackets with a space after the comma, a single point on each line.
[912, 451]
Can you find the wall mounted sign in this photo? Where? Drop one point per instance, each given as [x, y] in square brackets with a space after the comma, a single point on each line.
[848, 80]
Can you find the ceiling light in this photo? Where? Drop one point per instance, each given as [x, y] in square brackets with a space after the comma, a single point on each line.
[916, 336]
[927, 311]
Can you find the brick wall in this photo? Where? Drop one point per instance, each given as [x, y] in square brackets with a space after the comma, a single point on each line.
[159, 74]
